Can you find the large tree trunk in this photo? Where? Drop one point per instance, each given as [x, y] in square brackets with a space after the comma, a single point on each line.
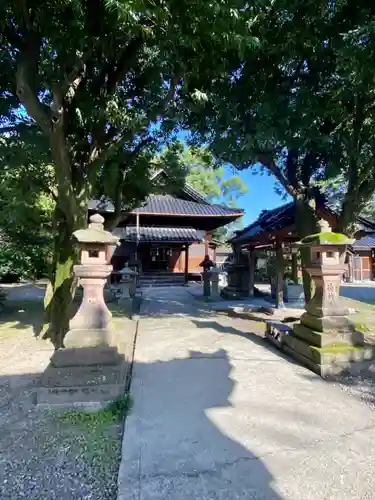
[306, 224]
[60, 292]
[349, 211]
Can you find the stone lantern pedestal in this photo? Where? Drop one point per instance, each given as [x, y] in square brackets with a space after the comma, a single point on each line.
[91, 368]
[213, 276]
[206, 284]
[238, 277]
[325, 340]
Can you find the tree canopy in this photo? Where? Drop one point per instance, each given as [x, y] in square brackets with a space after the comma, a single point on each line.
[207, 176]
[104, 81]
[302, 104]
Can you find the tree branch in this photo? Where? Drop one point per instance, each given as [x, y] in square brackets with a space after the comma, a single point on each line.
[114, 219]
[26, 74]
[269, 163]
[125, 62]
[113, 71]
[73, 79]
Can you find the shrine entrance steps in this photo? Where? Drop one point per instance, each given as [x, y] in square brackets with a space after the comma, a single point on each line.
[161, 279]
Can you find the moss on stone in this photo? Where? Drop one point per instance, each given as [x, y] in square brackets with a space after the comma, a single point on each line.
[337, 348]
[362, 327]
[327, 238]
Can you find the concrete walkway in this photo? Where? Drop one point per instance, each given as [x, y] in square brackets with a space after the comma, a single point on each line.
[219, 415]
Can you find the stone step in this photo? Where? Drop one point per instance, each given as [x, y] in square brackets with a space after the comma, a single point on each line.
[161, 273]
[160, 284]
[161, 278]
[85, 376]
[95, 397]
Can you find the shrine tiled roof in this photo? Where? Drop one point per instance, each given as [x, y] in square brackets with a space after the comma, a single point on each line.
[282, 217]
[268, 222]
[153, 234]
[365, 243]
[170, 205]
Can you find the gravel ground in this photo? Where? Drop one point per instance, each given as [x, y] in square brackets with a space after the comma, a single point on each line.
[45, 458]
[359, 383]
[46, 455]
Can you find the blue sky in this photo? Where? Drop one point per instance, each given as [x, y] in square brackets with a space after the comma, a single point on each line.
[261, 193]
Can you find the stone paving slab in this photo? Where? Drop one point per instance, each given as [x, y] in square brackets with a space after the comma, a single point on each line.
[219, 414]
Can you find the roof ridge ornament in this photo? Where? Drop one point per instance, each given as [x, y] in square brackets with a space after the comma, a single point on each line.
[96, 222]
[324, 226]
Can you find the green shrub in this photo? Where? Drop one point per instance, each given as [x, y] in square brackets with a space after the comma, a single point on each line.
[24, 261]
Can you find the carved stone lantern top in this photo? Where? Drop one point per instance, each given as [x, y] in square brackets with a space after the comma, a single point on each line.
[326, 237]
[128, 271]
[93, 243]
[95, 233]
[327, 249]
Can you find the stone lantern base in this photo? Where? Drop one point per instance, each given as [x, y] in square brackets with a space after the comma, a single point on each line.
[90, 376]
[238, 282]
[325, 340]
[326, 361]
[94, 366]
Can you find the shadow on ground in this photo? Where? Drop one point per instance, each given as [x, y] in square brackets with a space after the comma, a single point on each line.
[45, 457]
[19, 314]
[172, 302]
[256, 338]
[178, 450]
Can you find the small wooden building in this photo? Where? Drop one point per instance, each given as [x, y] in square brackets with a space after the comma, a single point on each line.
[275, 230]
[168, 234]
[363, 259]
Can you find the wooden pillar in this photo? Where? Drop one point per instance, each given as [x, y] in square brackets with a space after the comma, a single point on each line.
[251, 271]
[186, 264]
[279, 275]
[295, 267]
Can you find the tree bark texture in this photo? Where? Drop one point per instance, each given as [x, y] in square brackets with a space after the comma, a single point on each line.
[306, 224]
[58, 302]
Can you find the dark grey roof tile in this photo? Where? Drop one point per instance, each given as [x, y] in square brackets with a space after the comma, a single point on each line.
[154, 234]
[365, 243]
[169, 205]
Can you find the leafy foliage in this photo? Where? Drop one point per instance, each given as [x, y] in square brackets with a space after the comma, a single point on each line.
[205, 174]
[106, 82]
[26, 198]
[302, 104]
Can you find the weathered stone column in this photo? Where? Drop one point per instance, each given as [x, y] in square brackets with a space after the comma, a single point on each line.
[325, 339]
[214, 278]
[206, 283]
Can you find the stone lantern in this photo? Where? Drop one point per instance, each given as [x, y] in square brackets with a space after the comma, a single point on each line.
[327, 267]
[128, 283]
[214, 277]
[89, 327]
[325, 339]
